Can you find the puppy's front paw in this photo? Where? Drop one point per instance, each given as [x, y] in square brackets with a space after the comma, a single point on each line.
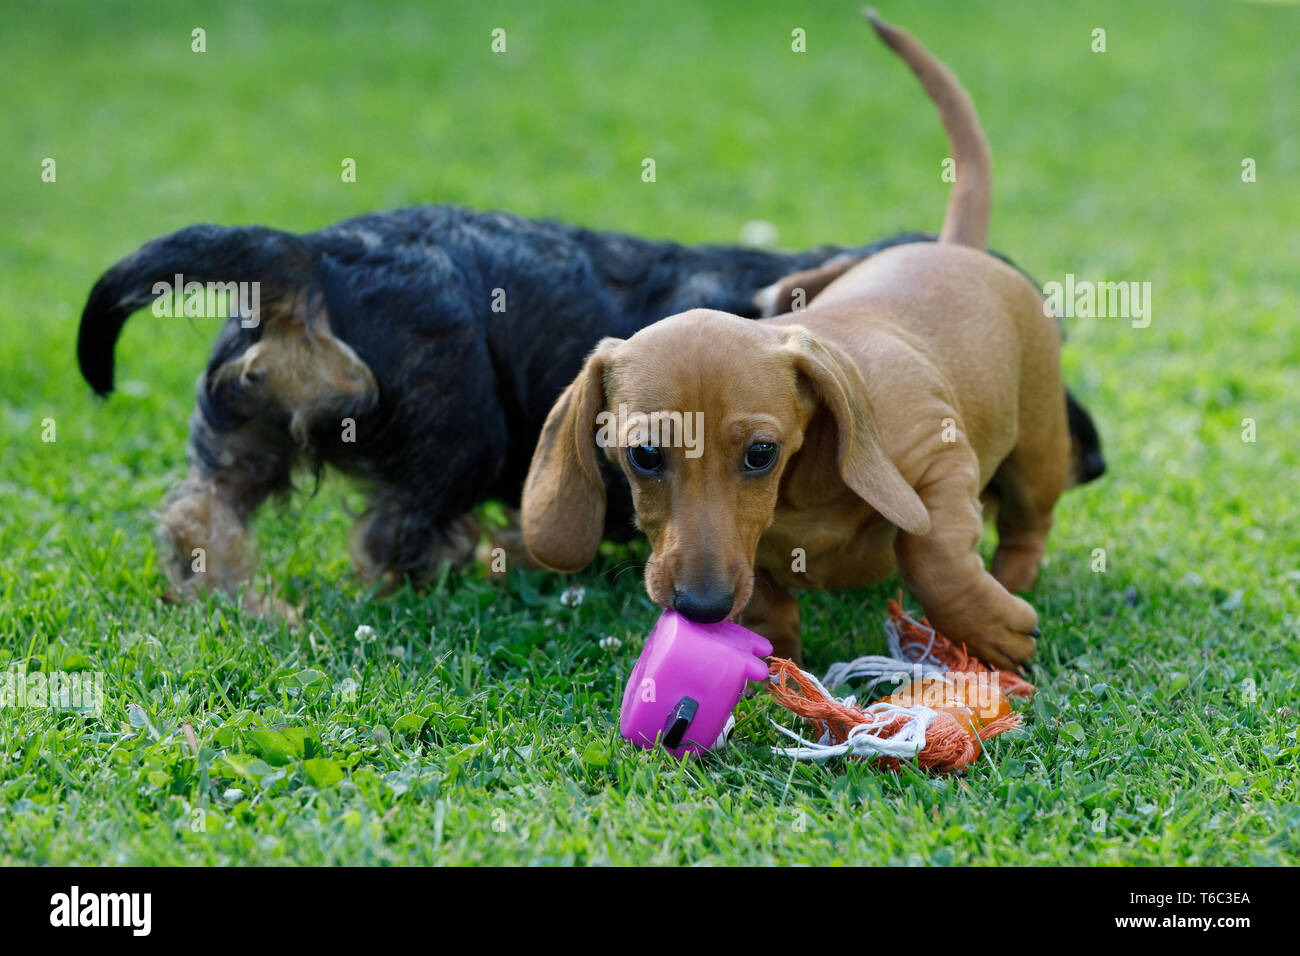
[997, 627]
[1005, 648]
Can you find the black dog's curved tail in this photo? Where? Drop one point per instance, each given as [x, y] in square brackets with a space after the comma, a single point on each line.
[203, 253]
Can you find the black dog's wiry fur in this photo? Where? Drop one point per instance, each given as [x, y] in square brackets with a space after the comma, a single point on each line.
[384, 324]
[378, 351]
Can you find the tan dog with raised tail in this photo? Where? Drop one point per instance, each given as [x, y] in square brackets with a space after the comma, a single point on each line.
[840, 443]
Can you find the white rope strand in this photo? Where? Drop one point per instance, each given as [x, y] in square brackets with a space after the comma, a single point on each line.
[864, 740]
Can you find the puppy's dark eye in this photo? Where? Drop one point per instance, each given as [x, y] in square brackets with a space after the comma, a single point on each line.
[646, 459]
[760, 456]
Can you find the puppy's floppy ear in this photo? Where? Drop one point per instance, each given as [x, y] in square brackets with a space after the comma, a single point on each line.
[864, 464]
[563, 507]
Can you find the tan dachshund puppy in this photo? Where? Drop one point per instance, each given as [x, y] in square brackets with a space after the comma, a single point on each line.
[838, 444]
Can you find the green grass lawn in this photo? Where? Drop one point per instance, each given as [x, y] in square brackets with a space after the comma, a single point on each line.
[479, 723]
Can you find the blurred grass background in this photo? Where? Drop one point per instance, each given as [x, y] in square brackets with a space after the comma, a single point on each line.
[1123, 165]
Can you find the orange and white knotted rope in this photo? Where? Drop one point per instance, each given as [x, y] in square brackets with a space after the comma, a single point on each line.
[952, 704]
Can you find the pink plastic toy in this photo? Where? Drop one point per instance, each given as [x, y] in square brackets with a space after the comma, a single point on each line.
[687, 681]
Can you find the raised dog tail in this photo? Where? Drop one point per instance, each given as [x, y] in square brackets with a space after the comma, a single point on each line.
[205, 253]
[966, 221]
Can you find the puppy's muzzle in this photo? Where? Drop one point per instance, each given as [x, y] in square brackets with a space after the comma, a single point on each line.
[706, 604]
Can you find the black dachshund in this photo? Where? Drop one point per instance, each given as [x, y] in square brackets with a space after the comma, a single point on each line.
[419, 350]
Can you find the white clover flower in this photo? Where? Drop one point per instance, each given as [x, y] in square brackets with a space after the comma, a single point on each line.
[572, 597]
[347, 689]
[610, 643]
[364, 633]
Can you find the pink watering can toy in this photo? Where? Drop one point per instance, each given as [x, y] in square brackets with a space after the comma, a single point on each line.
[687, 681]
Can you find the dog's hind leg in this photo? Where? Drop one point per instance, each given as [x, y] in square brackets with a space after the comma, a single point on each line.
[1027, 485]
[271, 392]
[205, 517]
[396, 539]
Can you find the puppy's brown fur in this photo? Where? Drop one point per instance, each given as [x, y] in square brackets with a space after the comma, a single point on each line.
[915, 383]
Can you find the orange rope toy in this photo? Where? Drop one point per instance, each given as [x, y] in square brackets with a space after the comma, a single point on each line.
[953, 703]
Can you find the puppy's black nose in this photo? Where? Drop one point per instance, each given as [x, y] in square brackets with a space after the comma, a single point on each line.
[704, 605]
